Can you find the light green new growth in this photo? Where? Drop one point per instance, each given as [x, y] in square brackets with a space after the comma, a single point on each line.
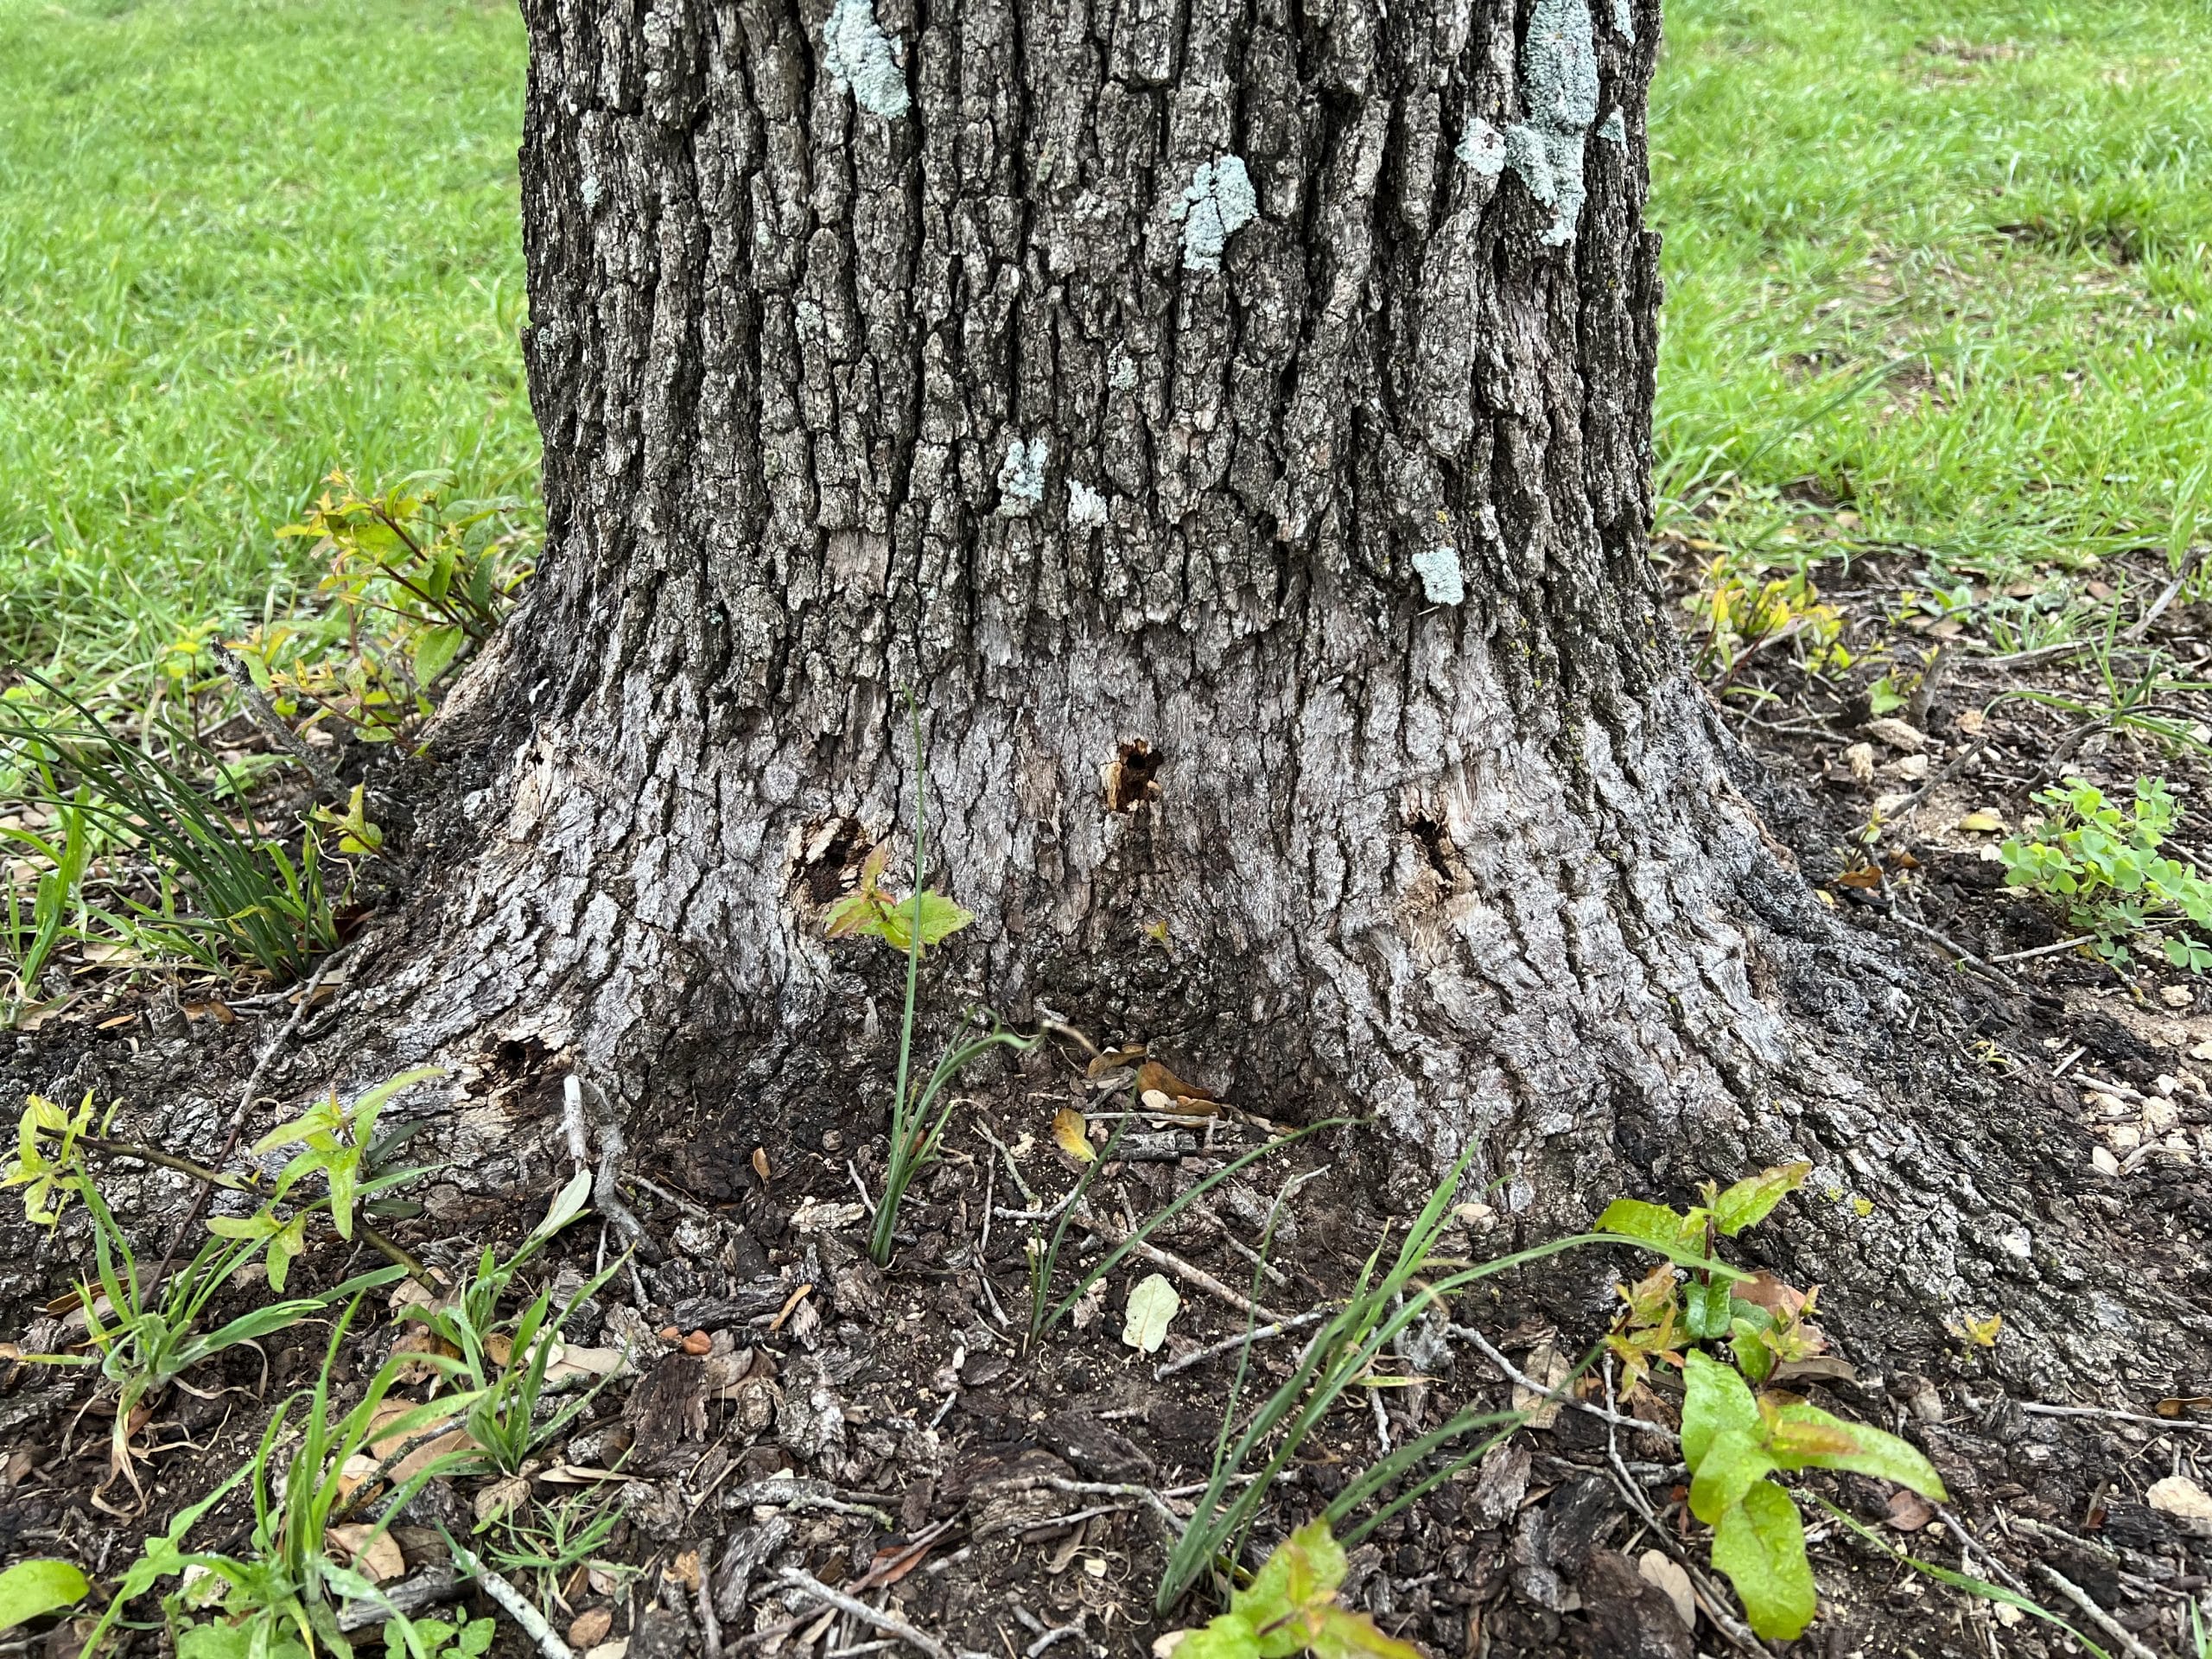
[856, 49]
[1559, 89]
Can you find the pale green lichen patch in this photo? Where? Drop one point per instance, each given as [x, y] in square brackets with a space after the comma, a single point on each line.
[1086, 508]
[1614, 128]
[1438, 566]
[1218, 203]
[857, 51]
[1482, 147]
[1559, 87]
[1021, 479]
[1624, 19]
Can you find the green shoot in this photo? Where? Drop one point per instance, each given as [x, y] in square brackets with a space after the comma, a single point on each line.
[2099, 860]
[1291, 1606]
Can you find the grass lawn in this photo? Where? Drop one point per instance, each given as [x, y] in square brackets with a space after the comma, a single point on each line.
[242, 241]
[2008, 205]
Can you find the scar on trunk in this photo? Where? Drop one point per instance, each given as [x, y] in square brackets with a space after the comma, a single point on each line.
[1129, 776]
[833, 850]
[1437, 849]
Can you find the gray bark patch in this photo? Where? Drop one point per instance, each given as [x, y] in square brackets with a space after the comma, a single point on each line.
[1559, 89]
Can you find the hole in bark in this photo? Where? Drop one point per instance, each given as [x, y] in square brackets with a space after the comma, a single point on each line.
[1435, 843]
[1129, 776]
[518, 1058]
[834, 848]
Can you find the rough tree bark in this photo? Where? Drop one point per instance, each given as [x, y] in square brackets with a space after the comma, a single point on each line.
[1232, 418]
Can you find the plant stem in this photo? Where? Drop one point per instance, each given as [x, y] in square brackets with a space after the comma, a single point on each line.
[893, 1180]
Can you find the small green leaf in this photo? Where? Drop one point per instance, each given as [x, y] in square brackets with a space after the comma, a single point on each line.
[1731, 1464]
[567, 1205]
[1653, 1223]
[1705, 1310]
[1339, 1633]
[29, 1589]
[1292, 1589]
[1747, 1202]
[1805, 1437]
[941, 919]
[1715, 1401]
[1229, 1636]
[1760, 1545]
[435, 652]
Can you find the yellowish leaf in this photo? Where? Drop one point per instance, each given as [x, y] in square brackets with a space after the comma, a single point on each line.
[1072, 1135]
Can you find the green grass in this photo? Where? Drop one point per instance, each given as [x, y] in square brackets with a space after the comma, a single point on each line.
[241, 242]
[2014, 199]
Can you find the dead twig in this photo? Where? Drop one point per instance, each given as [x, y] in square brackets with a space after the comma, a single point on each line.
[1964, 955]
[1545, 1390]
[852, 1606]
[2096, 1615]
[512, 1603]
[1161, 1373]
[2036, 1408]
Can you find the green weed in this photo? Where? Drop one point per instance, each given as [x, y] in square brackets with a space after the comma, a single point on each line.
[2099, 860]
[1732, 1438]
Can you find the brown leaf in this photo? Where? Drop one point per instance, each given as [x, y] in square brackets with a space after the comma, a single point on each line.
[760, 1164]
[1152, 1078]
[1909, 1511]
[1869, 876]
[590, 1628]
[2176, 1406]
[1113, 1059]
[697, 1343]
[375, 1559]
[1764, 1290]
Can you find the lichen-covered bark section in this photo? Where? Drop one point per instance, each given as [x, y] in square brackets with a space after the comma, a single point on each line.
[1247, 468]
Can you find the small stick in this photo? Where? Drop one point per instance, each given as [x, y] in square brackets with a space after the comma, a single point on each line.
[271, 725]
[1957, 950]
[2096, 1615]
[710, 1626]
[1161, 1373]
[2045, 950]
[2036, 1408]
[1604, 1414]
[852, 1606]
[512, 1602]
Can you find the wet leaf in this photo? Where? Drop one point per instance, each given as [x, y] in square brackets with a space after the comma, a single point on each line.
[1152, 1304]
[1760, 1545]
[29, 1589]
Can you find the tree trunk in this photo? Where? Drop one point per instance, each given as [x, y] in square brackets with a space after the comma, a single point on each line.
[1233, 423]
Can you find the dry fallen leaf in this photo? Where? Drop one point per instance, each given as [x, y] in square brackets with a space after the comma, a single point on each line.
[1152, 1304]
[500, 1496]
[1113, 1059]
[1859, 757]
[590, 1628]
[1548, 1366]
[1892, 733]
[1909, 1511]
[1658, 1567]
[760, 1164]
[375, 1559]
[1983, 822]
[1072, 1134]
[2181, 1497]
[1188, 1098]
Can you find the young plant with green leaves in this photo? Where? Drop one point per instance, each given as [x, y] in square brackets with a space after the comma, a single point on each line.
[1735, 1439]
[912, 923]
[147, 1337]
[1291, 1606]
[2098, 859]
[414, 581]
[213, 889]
[1353, 1350]
[548, 1541]
[58, 861]
[506, 1422]
[339, 1142]
[280, 1596]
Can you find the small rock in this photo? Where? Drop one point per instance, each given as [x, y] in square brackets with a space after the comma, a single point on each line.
[695, 1236]
[1658, 1568]
[2105, 1164]
[1859, 757]
[2177, 996]
[1912, 768]
[1893, 733]
[2123, 1137]
[2182, 1498]
[590, 1628]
